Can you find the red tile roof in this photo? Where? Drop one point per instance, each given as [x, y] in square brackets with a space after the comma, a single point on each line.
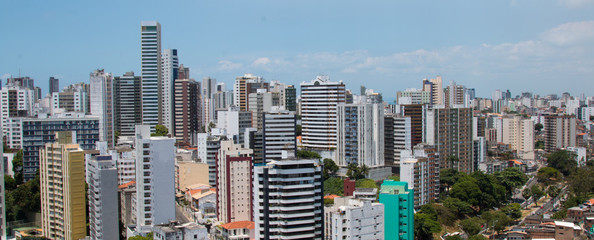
[239, 225]
[126, 185]
[333, 196]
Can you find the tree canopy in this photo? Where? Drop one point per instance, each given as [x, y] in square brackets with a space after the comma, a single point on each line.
[548, 175]
[563, 161]
[308, 154]
[334, 185]
[330, 168]
[160, 130]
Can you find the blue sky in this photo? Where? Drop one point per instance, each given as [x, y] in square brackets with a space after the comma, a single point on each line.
[544, 46]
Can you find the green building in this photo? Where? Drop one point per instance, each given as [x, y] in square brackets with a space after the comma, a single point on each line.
[398, 211]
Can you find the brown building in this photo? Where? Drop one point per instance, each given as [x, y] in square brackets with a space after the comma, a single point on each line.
[245, 85]
[186, 107]
[417, 114]
[453, 135]
[560, 132]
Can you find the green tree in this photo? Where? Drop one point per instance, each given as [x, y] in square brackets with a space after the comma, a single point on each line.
[365, 183]
[538, 127]
[536, 193]
[553, 191]
[354, 172]
[454, 237]
[308, 154]
[458, 207]
[581, 182]
[330, 168]
[448, 177]
[160, 130]
[467, 190]
[298, 130]
[425, 225]
[471, 226]
[364, 170]
[17, 167]
[395, 178]
[548, 175]
[9, 183]
[563, 161]
[539, 144]
[496, 220]
[334, 185]
[511, 178]
[513, 210]
[478, 237]
[328, 201]
[149, 236]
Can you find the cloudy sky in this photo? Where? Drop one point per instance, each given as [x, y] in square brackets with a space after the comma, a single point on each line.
[543, 46]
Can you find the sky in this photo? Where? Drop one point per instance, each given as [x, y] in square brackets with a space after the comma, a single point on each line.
[542, 46]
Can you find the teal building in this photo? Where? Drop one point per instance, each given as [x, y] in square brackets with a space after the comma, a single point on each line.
[399, 214]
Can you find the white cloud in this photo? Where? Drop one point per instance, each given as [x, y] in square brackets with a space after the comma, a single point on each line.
[5, 76]
[261, 62]
[576, 3]
[571, 33]
[225, 65]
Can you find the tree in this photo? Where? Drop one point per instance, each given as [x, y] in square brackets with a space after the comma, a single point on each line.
[453, 160]
[511, 178]
[364, 170]
[160, 130]
[477, 237]
[496, 220]
[581, 182]
[471, 226]
[453, 237]
[458, 207]
[328, 201]
[395, 178]
[425, 226]
[17, 167]
[553, 191]
[538, 127]
[298, 130]
[333, 185]
[539, 144]
[448, 177]
[467, 190]
[563, 161]
[513, 210]
[365, 183]
[354, 172]
[149, 236]
[308, 154]
[548, 175]
[536, 193]
[330, 168]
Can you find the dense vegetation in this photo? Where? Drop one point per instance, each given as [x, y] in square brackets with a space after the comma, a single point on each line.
[471, 200]
[21, 198]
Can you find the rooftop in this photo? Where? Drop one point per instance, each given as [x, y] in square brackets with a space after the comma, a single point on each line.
[239, 225]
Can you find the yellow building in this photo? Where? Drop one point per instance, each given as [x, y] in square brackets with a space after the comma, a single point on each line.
[62, 182]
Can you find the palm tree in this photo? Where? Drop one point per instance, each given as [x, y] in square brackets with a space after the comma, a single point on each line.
[364, 170]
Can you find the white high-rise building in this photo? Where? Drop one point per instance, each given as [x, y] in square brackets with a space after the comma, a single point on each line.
[102, 178]
[102, 104]
[278, 134]
[15, 101]
[151, 73]
[155, 183]
[169, 64]
[2, 192]
[351, 218]
[319, 100]
[360, 130]
[234, 182]
[209, 88]
[419, 167]
[402, 136]
[234, 122]
[280, 213]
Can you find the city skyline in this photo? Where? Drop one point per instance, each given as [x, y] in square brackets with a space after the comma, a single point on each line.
[517, 45]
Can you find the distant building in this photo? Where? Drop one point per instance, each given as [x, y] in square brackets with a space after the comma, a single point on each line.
[102, 104]
[519, 133]
[174, 231]
[360, 129]
[279, 134]
[237, 230]
[398, 202]
[54, 85]
[169, 67]
[127, 103]
[282, 214]
[234, 122]
[435, 87]
[150, 32]
[351, 218]
[453, 135]
[245, 85]
[560, 132]
[186, 110]
[62, 184]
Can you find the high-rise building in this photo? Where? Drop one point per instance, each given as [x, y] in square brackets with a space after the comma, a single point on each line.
[413, 96]
[519, 133]
[351, 218]
[3, 171]
[389, 159]
[151, 73]
[259, 103]
[560, 132]
[360, 134]
[398, 202]
[402, 137]
[31, 134]
[54, 85]
[102, 178]
[319, 100]
[434, 86]
[24, 82]
[15, 101]
[420, 169]
[155, 183]
[169, 65]
[127, 103]
[234, 121]
[453, 135]
[74, 98]
[245, 85]
[186, 110]
[455, 96]
[290, 96]
[421, 122]
[278, 134]
[62, 184]
[296, 213]
[102, 104]
[234, 182]
[209, 89]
